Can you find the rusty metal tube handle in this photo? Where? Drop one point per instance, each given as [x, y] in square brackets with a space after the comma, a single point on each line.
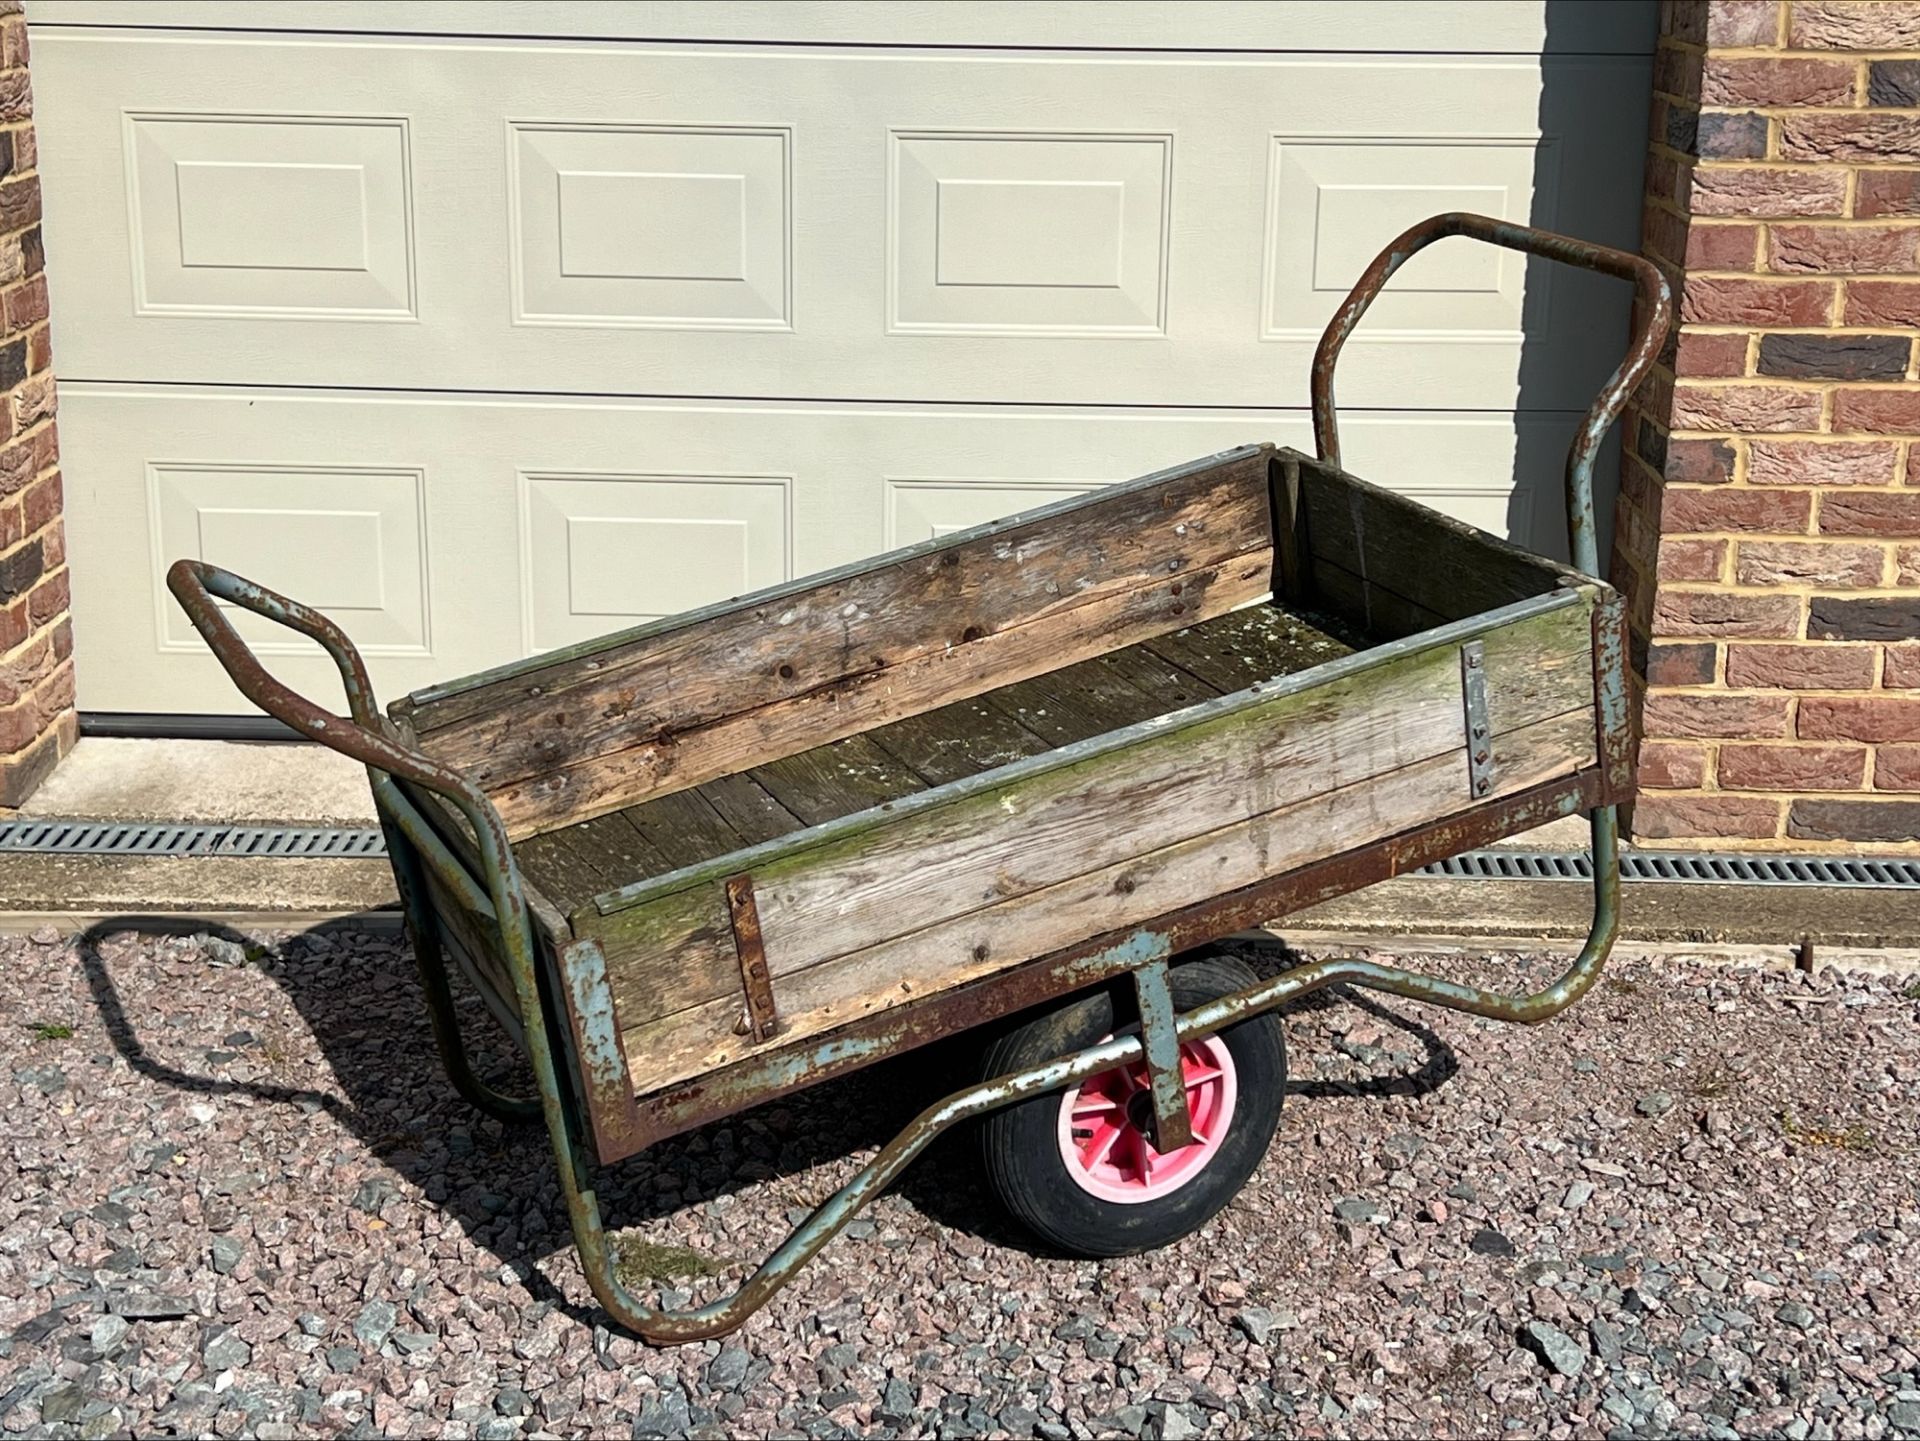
[1655, 307]
[199, 587]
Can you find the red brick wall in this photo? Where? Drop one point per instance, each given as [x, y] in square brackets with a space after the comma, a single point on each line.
[1768, 533]
[37, 724]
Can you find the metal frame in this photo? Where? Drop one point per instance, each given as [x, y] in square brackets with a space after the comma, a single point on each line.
[573, 1113]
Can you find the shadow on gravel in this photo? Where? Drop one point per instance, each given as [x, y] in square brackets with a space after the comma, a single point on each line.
[354, 989]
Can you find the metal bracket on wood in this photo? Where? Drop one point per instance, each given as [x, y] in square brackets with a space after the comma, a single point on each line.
[1160, 1039]
[758, 1019]
[1473, 693]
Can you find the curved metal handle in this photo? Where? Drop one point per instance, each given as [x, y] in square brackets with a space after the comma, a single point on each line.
[1655, 299]
[196, 585]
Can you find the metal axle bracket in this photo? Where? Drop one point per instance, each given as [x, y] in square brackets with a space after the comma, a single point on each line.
[1160, 1039]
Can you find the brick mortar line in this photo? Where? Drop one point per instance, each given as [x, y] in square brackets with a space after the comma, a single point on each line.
[1894, 437]
[1780, 110]
[1898, 386]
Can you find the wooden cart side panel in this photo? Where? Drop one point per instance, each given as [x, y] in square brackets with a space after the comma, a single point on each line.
[906, 873]
[676, 681]
[1390, 563]
[908, 967]
[865, 702]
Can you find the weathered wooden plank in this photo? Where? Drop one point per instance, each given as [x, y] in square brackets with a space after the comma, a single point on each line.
[906, 967]
[1074, 702]
[836, 779]
[686, 827]
[472, 936]
[1382, 612]
[1256, 643]
[863, 702]
[926, 864]
[683, 829]
[674, 681]
[905, 875]
[745, 805]
[1394, 543]
[957, 740]
[1171, 687]
[583, 860]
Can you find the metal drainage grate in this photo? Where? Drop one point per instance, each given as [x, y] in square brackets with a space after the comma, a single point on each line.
[186, 838]
[1696, 867]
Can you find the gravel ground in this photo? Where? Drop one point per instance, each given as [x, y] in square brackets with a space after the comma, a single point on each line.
[242, 1200]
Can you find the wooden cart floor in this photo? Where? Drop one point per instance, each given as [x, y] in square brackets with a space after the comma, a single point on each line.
[1157, 677]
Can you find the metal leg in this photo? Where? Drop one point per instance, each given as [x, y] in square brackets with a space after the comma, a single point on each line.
[431, 960]
[1172, 1124]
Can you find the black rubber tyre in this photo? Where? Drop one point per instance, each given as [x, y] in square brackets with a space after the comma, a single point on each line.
[1022, 1144]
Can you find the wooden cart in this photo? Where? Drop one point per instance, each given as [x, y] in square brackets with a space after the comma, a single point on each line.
[707, 861]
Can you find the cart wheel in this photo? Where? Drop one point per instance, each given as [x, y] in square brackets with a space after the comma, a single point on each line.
[1080, 1170]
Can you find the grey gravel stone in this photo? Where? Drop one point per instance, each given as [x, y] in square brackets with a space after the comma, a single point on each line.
[1795, 1315]
[108, 1333]
[1360, 1210]
[662, 1416]
[1654, 1103]
[373, 1193]
[374, 1323]
[223, 1350]
[60, 1403]
[223, 952]
[1559, 1351]
[1489, 1242]
[1256, 1322]
[1169, 1423]
[728, 1370]
[1605, 1337]
[44, 1079]
[225, 1253]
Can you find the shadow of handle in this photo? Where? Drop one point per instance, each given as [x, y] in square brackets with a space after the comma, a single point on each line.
[1654, 318]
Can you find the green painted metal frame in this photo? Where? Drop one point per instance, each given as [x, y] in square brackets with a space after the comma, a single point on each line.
[572, 1105]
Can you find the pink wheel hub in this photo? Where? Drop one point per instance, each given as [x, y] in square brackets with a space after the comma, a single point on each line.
[1106, 1126]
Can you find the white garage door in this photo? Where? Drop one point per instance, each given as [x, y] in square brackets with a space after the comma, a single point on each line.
[490, 327]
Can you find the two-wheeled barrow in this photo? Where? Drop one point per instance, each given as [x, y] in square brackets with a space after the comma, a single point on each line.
[1018, 776]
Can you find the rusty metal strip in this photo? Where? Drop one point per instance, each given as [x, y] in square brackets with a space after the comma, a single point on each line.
[599, 1057]
[860, 1043]
[1172, 1125]
[1473, 697]
[760, 1019]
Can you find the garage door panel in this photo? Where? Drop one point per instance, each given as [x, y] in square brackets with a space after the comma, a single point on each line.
[349, 540]
[911, 225]
[269, 216]
[662, 226]
[453, 533]
[601, 551]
